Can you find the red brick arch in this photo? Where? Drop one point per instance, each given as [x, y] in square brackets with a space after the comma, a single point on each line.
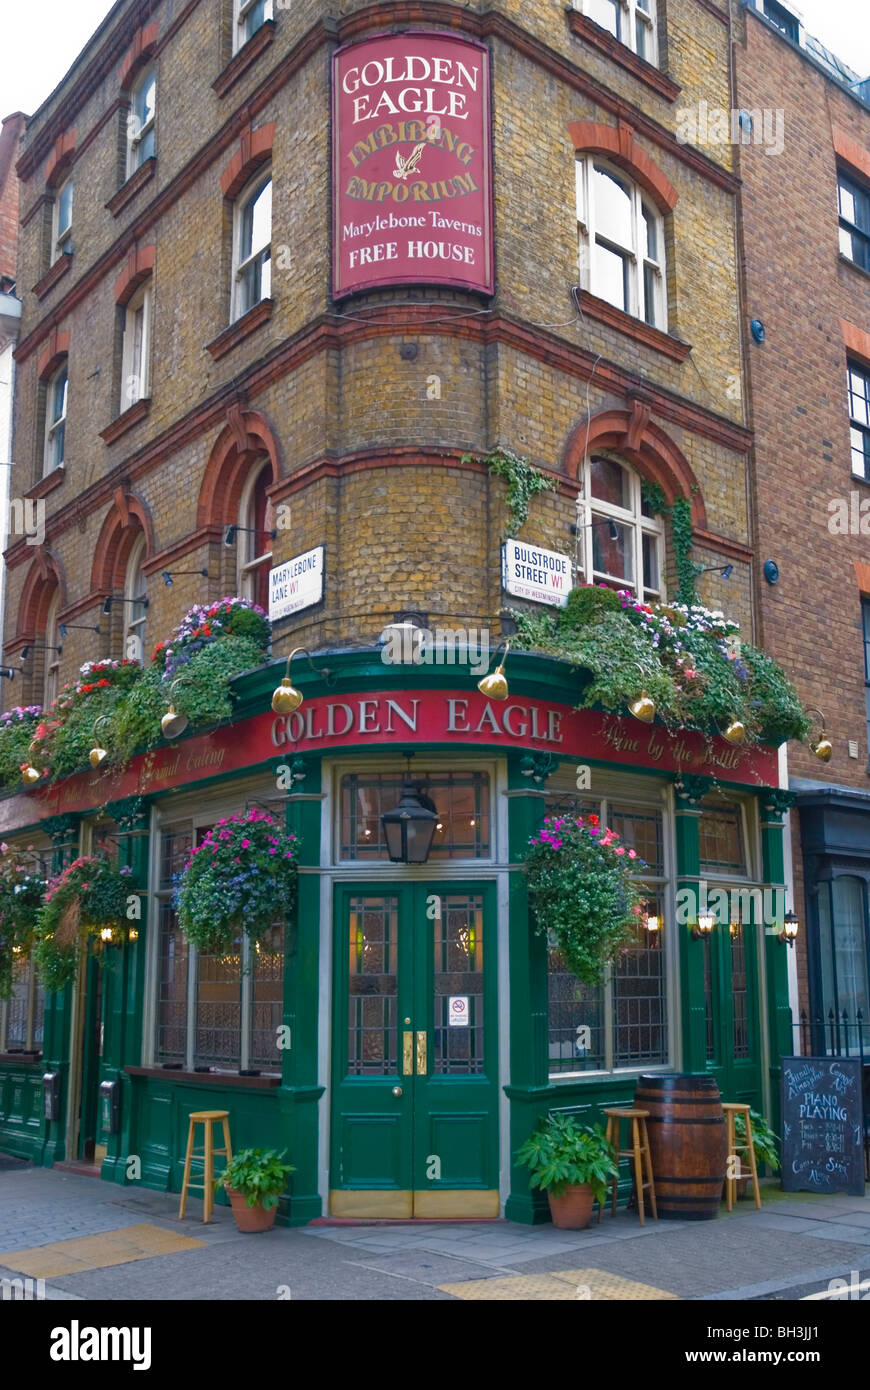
[137, 268]
[55, 350]
[137, 55]
[127, 520]
[617, 143]
[44, 579]
[632, 435]
[246, 436]
[62, 157]
[255, 149]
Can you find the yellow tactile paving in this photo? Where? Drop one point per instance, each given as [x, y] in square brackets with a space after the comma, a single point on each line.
[97, 1252]
[563, 1284]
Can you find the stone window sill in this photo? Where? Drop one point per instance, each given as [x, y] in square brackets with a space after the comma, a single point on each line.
[126, 421]
[635, 328]
[242, 60]
[17, 1057]
[127, 192]
[208, 1078]
[604, 41]
[238, 331]
[51, 277]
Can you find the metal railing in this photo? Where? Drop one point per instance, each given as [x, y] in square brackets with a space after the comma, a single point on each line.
[837, 1035]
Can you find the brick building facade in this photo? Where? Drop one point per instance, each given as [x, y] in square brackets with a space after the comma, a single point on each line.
[805, 225]
[182, 372]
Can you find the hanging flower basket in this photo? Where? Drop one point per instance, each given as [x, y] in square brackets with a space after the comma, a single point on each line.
[582, 893]
[21, 894]
[88, 897]
[241, 877]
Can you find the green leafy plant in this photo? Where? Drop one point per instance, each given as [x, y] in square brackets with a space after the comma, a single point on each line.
[679, 513]
[523, 482]
[240, 877]
[22, 889]
[87, 897]
[561, 1153]
[260, 1175]
[766, 1143]
[580, 886]
[17, 728]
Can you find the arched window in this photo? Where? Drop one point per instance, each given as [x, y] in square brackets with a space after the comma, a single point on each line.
[55, 421]
[51, 639]
[252, 252]
[621, 542]
[633, 22]
[136, 606]
[140, 121]
[621, 242]
[135, 352]
[254, 545]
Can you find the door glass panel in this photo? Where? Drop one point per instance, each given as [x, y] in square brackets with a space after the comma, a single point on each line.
[458, 1048]
[372, 986]
[739, 992]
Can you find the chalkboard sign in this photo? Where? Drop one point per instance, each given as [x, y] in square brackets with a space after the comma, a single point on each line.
[822, 1125]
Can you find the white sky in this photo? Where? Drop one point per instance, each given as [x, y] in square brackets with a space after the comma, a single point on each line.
[41, 41]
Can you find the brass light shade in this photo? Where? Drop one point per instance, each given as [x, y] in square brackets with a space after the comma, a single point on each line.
[823, 749]
[736, 732]
[286, 698]
[495, 686]
[643, 708]
[97, 755]
[29, 775]
[173, 724]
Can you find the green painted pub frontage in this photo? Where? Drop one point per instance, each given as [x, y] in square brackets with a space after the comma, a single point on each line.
[402, 1028]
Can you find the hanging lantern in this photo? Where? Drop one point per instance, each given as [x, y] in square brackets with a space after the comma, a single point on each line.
[495, 686]
[30, 775]
[790, 925]
[98, 754]
[823, 747]
[286, 698]
[410, 827]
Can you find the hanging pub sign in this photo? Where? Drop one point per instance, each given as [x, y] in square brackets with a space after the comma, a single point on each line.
[822, 1125]
[296, 584]
[412, 190]
[528, 571]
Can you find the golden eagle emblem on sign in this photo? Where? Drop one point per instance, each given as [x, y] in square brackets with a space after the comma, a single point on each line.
[404, 167]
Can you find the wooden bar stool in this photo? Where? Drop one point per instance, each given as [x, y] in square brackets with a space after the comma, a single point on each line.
[732, 1109]
[639, 1152]
[206, 1118]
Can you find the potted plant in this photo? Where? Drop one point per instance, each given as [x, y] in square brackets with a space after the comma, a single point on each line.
[765, 1143]
[254, 1180]
[573, 1164]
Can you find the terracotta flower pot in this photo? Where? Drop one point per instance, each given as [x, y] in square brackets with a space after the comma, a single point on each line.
[572, 1211]
[250, 1219]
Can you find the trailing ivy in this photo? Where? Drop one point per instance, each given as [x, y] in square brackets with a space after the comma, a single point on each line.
[89, 895]
[523, 482]
[679, 512]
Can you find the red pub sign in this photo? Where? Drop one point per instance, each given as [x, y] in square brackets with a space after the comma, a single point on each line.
[412, 182]
[394, 720]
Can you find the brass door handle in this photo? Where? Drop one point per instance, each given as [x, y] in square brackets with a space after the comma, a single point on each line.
[421, 1052]
[397, 1090]
[408, 1054]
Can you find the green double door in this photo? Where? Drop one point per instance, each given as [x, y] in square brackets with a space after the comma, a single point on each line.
[414, 1128]
[734, 1037]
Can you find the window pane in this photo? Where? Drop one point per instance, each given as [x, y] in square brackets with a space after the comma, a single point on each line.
[268, 998]
[639, 999]
[64, 208]
[739, 992]
[458, 969]
[218, 1038]
[613, 549]
[146, 100]
[650, 294]
[861, 453]
[146, 147]
[605, 13]
[643, 38]
[372, 986]
[576, 1020]
[16, 1007]
[257, 222]
[612, 208]
[651, 563]
[58, 397]
[649, 227]
[721, 841]
[850, 949]
[610, 277]
[610, 482]
[641, 831]
[461, 799]
[171, 988]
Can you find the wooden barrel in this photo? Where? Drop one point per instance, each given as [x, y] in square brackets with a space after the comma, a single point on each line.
[687, 1140]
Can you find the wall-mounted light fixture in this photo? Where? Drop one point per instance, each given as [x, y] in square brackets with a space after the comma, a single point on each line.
[735, 732]
[168, 575]
[790, 926]
[173, 724]
[232, 531]
[727, 570]
[119, 598]
[704, 926]
[38, 647]
[823, 747]
[495, 686]
[642, 707]
[64, 628]
[286, 698]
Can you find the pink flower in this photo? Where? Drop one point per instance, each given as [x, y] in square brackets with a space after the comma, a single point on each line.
[271, 851]
[246, 844]
[620, 851]
[632, 854]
